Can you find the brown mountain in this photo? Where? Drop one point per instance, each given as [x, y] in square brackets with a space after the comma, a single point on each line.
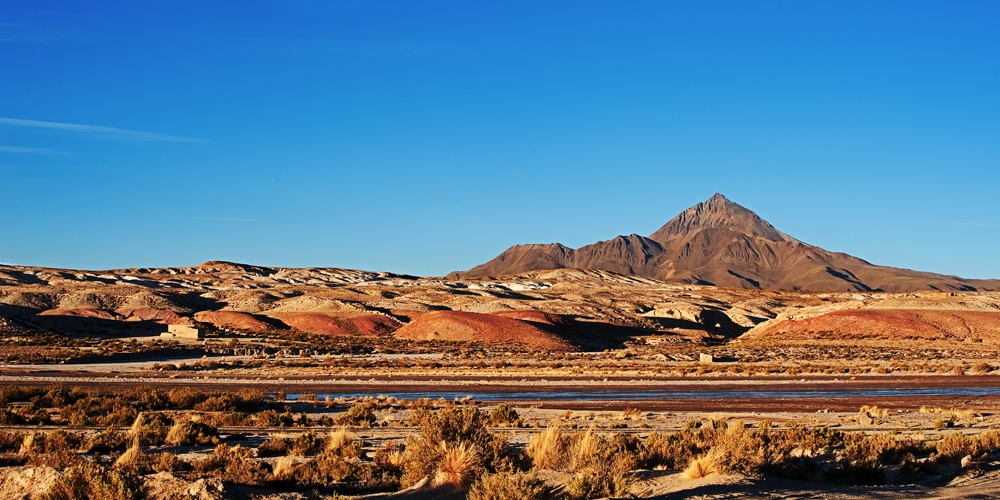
[718, 242]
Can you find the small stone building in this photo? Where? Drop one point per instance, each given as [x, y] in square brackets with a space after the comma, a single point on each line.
[182, 332]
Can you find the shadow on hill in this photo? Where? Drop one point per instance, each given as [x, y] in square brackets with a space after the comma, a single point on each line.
[709, 321]
[592, 336]
[79, 326]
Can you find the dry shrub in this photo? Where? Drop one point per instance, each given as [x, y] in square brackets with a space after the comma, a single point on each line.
[283, 468]
[390, 457]
[359, 415]
[508, 486]
[131, 459]
[875, 411]
[304, 444]
[338, 439]
[166, 462]
[457, 465]
[585, 447]
[89, 480]
[232, 463]
[190, 432]
[632, 413]
[547, 449]
[704, 465]
[56, 449]
[504, 415]
[452, 425]
[136, 429]
[586, 485]
[273, 446]
[953, 447]
[877, 450]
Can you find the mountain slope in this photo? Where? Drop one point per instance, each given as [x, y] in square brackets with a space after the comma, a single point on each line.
[718, 242]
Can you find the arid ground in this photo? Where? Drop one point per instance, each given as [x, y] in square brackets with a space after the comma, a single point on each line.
[565, 383]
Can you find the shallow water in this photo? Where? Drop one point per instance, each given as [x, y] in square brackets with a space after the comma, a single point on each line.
[625, 394]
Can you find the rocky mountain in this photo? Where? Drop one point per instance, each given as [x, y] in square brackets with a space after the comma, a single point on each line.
[718, 242]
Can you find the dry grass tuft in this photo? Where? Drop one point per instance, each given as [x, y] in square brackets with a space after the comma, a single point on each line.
[508, 486]
[27, 445]
[457, 466]
[704, 465]
[283, 468]
[585, 448]
[130, 459]
[546, 448]
[875, 411]
[338, 439]
[137, 424]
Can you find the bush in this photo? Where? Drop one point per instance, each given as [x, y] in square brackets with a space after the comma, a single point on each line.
[304, 444]
[359, 415]
[586, 485]
[107, 441]
[508, 485]
[504, 415]
[232, 463]
[547, 449]
[450, 427]
[189, 432]
[704, 465]
[92, 481]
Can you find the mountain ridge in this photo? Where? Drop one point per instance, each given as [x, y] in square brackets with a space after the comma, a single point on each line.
[719, 242]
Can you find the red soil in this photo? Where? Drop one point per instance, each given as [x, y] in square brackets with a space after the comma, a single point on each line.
[490, 328]
[149, 314]
[532, 317]
[892, 324]
[82, 312]
[327, 324]
[232, 319]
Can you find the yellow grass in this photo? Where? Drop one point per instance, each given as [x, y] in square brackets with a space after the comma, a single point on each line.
[585, 448]
[338, 439]
[545, 449]
[703, 466]
[457, 466]
[131, 457]
[283, 467]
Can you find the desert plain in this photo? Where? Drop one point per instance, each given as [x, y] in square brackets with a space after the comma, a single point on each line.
[315, 383]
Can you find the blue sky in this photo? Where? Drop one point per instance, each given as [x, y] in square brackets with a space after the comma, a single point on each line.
[426, 137]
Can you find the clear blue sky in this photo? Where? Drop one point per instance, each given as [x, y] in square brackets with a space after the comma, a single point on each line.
[425, 137]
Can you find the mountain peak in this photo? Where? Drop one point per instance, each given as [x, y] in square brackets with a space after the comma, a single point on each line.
[718, 212]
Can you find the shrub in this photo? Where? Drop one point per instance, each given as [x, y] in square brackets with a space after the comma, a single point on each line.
[283, 468]
[453, 426]
[190, 432]
[457, 465]
[508, 485]
[953, 447]
[107, 441]
[92, 481]
[339, 439]
[232, 463]
[704, 465]
[586, 485]
[132, 459]
[547, 449]
[359, 415]
[273, 446]
[504, 415]
[304, 444]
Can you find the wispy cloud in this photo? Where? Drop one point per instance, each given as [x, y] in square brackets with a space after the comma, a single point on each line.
[24, 150]
[97, 130]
